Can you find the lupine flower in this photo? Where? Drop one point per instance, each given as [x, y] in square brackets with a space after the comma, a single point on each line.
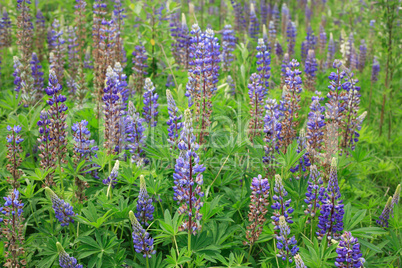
[80, 19]
[331, 48]
[151, 105]
[111, 180]
[263, 63]
[331, 211]
[188, 178]
[169, 81]
[48, 162]
[111, 108]
[362, 55]
[83, 150]
[65, 261]
[228, 46]
[291, 104]
[389, 208]
[304, 161]
[258, 208]
[57, 116]
[322, 40]
[257, 94]
[231, 84]
[299, 262]
[375, 70]
[5, 23]
[278, 50]
[57, 47]
[174, 124]
[285, 17]
[37, 74]
[264, 10]
[286, 245]
[272, 129]
[284, 66]
[354, 60]
[108, 38]
[349, 254]
[254, 26]
[175, 29]
[14, 150]
[310, 69]
[40, 34]
[309, 43]
[275, 16]
[73, 58]
[281, 206]
[139, 67]
[315, 126]
[135, 135]
[315, 192]
[88, 64]
[291, 33]
[13, 230]
[143, 243]
[145, 209]
[240, 21]
[272, 32]
[118, 17]
[63, 210]
[25, 29]
[184, 42]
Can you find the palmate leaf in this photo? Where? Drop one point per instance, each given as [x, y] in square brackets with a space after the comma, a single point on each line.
[175, 260]
[49, 254]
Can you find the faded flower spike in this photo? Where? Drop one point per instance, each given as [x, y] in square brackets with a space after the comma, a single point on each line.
[145, 209]
[143, 243]
[63, 210]
[65, 260]
[299, 262]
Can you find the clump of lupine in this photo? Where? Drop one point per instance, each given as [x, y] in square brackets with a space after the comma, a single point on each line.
[139, 67]
[65, 261]
[349, 254]
[143, 243]
[174, 124]
[389, 208]
[331, 210]
[63, 211]
[13, 229]
[151, 105]
[188, 173]
[135, 135]
[263, 64]
[145, 209]
[258, 209]
[14, 151]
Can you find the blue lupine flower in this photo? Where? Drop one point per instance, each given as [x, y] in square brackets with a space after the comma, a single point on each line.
[263, 63]
[281, 206]
[37, 73]
[362, 54]
[349, 254]
[272, 129]
[73, 58]
[331, 211]
[12, 205]
[135, 135]
[275, 15]
[323, 40]
[286, 245]
[145, 209]
[231, 84]
[5, 23]
[304, 161]
[188, 178]
[17, 74]
[174, 124]
[143, 243]
[169, 81]
[65, 261]
[88, 64]
[272, 32]
[140, 59]
[284, 66]
[257, 94]
[150, 112]
[63, 210]
[310, 69]
[291, 33]
[228, 46]
[57, 48]
[375, 70]
[389, 208]
[254, 27]
[111, 180]
[184, 42]
[337, 95]
[315, 126]
[240, 21]
[48, 162]
[331, 48]
[315, 192]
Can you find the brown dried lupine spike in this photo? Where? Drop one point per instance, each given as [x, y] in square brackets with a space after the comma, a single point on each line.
[81, 87]
[331, 145]
[80, 20]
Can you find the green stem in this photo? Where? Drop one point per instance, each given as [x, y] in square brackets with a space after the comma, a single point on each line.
[249, 253]
[189, 247]
[61, 179]
[147, 262]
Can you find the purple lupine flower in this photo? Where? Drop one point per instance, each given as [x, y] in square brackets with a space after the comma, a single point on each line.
[48, 162]
[231, 84]
[175, 29]
[25, 29]
[135, 135]
[254, 26]
[331, 48]
[307, 14]
[315, 126]
[73, 58]
[299, 262]
[375, 70]
[349, 254]
[88, 64]
[285, 16]
[362, 54]
[286, 245]
[291, 33]
[263, 63]
[112, 109]
[264, 8]
[275, 16]
[272, 129]
[240, 21]
[169, 81]
[304, 161]
[284, 66]
[184, 42]
[17, 74]
[151, 105]
[281, 206]
[228, 46]
[145, 209]
[63, 210]
[143, 243]
[257, 94]
[37, 74]
[139, 67]
[310, 69]
[118, 17]
[57, 48]
[322, 40]
[174, 121]
[65, 261]
[315, 192]
[309, 43]
[57, 116]
[111, 180]
[278, 50]
[13, 229]
[331, 210]
[389, 208]
[258, 209]
[5, 23]
[188, 178]
[272, 33]
[290, 102]
[40, 29]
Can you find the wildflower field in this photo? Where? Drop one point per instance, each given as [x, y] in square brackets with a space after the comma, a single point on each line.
[207, 133]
